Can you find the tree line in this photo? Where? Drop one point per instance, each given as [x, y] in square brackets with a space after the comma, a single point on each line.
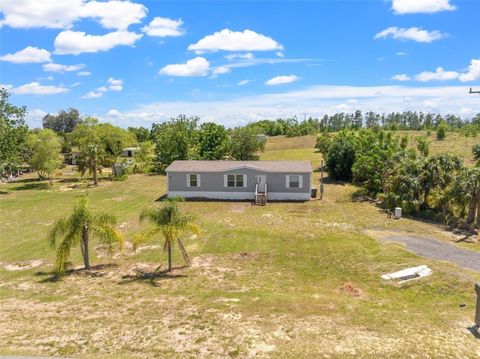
[395, 121]
[437, 186]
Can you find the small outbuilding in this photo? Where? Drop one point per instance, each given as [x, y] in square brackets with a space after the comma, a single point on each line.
[129, 151]
[240, 180]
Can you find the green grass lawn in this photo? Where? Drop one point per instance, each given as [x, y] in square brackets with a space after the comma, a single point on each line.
[285, 280]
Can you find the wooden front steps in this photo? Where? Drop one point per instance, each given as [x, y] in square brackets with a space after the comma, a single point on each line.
[260, 199]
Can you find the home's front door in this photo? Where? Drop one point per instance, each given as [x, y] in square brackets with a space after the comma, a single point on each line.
[261, 181]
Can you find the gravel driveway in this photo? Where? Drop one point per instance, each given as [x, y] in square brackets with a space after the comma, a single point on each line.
[437, 249]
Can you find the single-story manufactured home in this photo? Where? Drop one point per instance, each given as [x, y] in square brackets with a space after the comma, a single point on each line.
[240, 180]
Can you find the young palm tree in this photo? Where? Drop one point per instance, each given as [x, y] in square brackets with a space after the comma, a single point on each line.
[77, 228]
[169, 221]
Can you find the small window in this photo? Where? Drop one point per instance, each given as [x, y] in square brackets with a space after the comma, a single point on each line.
[239, 181]
[235, 181]
[294, 181]
[193, 180]
[231, 180]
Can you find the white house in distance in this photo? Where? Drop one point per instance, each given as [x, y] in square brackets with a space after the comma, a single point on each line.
[240, 180]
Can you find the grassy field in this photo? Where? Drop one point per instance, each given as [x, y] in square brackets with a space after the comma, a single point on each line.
[286, 280]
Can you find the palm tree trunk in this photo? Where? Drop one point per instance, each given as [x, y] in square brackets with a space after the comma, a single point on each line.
[169, 249]
[94, 172]
[86, 259]
[471, 210]
[478, 210]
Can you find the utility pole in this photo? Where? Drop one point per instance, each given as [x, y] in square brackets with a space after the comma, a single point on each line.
[471, 91]
[321, 181]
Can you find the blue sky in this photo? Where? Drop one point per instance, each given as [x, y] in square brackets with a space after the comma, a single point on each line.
[137, 62]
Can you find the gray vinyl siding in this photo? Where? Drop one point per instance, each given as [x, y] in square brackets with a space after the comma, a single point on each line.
[214, 181]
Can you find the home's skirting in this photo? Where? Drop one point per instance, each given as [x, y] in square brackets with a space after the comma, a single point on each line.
[273, 196]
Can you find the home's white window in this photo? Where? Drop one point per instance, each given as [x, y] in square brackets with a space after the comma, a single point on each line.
[294, 181]
[235, 181]
[193, 180]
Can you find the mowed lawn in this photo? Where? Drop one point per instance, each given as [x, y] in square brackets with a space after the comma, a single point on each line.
[285, 280]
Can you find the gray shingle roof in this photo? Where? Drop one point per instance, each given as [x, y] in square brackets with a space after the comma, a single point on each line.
[222, 166]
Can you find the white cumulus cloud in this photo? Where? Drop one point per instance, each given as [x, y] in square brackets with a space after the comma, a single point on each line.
[199, 66]
[439, 74]
[473, 72]
[401, 77]
[421, 6]
[27, 55]
[92, 94]
[34, 88]
[112, 84]
[228, 40]
[163, 27]
[115, 84]
[84, 73]
[62, 14]
[411, 33]
[51, 67]
[243, 82]
[280, 80]
[115, 14]
[77, 42]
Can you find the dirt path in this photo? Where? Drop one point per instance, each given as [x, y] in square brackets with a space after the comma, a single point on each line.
[432, 248]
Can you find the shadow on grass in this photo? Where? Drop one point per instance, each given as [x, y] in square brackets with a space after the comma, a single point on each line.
[152, 276]
[4, 192]
[94, 272]
[31, 186]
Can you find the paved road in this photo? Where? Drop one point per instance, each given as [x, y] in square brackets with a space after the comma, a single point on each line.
[437, 249]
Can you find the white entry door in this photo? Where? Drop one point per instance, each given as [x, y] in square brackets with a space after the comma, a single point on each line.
[261, 181]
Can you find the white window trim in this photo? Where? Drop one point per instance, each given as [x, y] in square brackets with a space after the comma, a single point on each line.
[198, 180]
[225, 180]
[300, 181]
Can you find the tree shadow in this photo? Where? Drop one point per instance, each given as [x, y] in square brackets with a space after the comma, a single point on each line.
[31, 186]
[94, 272]
[162, 198]
[69, 180]
[474, 331]
[152, 276]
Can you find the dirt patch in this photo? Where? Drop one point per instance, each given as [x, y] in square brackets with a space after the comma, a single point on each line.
[239, 207]
[23, 265]
[352, 290]
[246, 255]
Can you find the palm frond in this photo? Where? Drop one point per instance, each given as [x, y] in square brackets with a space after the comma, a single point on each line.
[144, 236]
[105, 218]
[63, 251]
[58, 229]
[107, 235]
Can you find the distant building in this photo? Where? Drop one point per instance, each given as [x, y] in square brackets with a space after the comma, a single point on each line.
[129, 151]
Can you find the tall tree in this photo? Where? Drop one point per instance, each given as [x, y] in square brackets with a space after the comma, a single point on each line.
[114, 140]
[341, 156]
[63, 122]
[142, 134]
[86, 137]
[45, 148]
[246, 144]
[12, 131]
[78, 228]
[213, 141]
[176, 139]
[171, 222]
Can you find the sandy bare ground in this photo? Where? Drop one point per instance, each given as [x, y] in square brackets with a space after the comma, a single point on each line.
[106, 312]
